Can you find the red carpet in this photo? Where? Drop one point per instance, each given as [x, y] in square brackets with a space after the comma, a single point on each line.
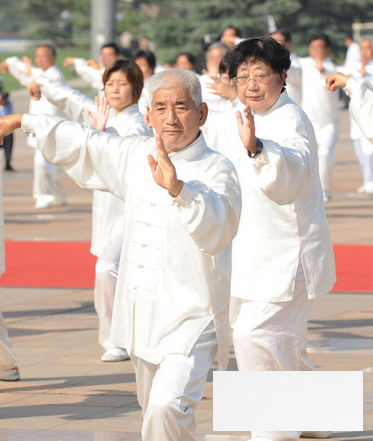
[70, 264]
[48, 264]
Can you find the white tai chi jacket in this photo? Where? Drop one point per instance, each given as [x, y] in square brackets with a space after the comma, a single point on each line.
[108, 210]
[283, 224]
[17, 67]
[361, 104]
[175, 266]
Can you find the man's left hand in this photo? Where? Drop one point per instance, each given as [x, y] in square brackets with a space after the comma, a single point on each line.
[163, 170]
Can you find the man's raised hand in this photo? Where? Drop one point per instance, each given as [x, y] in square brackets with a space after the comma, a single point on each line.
[163, 170]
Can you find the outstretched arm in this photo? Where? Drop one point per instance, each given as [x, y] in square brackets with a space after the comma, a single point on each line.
[163, 171]
[8, 124]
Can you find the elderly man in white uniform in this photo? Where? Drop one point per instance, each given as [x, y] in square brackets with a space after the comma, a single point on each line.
[321, 106]
[182, 212]
[361, 104]
[282, 254]
[47, 190]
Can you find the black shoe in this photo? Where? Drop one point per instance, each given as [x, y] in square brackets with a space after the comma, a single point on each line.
[8, 167]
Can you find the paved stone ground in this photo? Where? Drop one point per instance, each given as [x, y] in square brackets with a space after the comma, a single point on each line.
[67, 393]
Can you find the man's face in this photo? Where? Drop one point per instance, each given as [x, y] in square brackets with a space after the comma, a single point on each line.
[108, 56]
[258, 86]
[366, 51]
[175, 117]
[44, 58]
[318, 49]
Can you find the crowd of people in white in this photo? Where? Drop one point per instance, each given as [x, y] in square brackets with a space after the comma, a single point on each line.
[181, 165]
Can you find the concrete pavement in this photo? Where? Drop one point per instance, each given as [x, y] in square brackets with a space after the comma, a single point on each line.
[67, 393]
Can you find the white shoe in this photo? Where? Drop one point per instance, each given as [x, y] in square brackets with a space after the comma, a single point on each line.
[42, 203]
[115, 354]
[10, 374]
[361, 189]
[324, 434]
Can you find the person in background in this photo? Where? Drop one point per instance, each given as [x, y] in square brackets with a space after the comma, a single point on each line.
[363, 148]
[360, 91]
[91, 71]
[187, 61]
[147, 62]
[6, 108]
[294, 74]
[47, 190]
[321, 105]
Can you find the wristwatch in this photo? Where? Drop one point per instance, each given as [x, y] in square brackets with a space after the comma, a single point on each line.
[259, 148]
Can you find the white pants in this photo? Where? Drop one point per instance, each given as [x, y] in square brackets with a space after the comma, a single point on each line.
[364, 152]
[273, 337]
[326, 139]
[107, 266]
[168, 393]
[46, 185]
[7, 357]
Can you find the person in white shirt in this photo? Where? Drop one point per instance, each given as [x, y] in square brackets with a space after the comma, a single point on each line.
[282, 254]
[363, 148]
[90, 71]
[183, 206]
[352, 52]
[47, 190]
[294, 74]
[360, 91]
[321, 105]
[123, 83]
[214, 56]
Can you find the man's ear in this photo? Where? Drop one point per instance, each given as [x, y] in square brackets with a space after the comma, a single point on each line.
[203, 112]
[148, 119]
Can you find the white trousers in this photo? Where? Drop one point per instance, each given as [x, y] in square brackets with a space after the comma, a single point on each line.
[273, 337]
[169, 392]
[326, 139]
[107, 266]
[364, 152]
[46, 184]
[7, 357]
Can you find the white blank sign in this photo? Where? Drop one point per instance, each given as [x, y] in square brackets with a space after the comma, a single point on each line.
[288, 401]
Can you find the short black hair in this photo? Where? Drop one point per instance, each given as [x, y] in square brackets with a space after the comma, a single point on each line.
[265, 49]
[148, 55]
[320, 36]
[113, 46]
[237, 31]
[191, 58]
[284, 32]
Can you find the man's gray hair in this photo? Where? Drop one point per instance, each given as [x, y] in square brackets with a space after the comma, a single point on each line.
[169, 78]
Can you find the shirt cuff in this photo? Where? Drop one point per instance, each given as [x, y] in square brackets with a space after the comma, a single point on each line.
[186, 196]
[28, 123]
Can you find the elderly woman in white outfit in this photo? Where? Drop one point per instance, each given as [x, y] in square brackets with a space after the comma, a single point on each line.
[123, 83]
[282, 254]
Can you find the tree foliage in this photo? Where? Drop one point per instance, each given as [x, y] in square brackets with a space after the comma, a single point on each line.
[180, 25]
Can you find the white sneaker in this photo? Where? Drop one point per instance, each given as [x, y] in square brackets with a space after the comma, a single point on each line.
[115, 354]
[10, 374]
[324, 434]
[361, 189]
